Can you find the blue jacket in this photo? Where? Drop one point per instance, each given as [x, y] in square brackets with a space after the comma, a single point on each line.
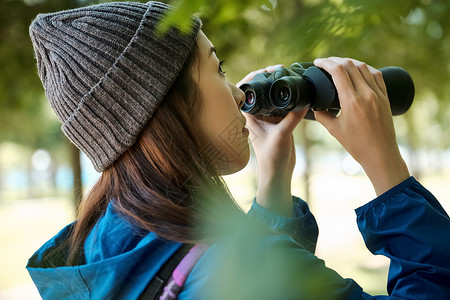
[406, 224]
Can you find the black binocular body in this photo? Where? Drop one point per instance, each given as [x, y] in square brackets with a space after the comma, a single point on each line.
[304, 85]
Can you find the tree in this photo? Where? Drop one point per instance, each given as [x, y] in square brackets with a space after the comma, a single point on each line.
[257, 33]
[254, 33]
[24, 114]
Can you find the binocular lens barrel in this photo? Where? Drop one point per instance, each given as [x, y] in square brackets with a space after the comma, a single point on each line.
[400, 89]
[257, 99]
[291, 93]
[295, 88]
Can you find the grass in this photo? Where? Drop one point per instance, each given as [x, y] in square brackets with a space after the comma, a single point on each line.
[24, 226]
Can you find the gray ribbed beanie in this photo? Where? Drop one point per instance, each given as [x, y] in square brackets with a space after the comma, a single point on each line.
[105, 71]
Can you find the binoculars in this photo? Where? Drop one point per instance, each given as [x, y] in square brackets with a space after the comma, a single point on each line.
[304, 85]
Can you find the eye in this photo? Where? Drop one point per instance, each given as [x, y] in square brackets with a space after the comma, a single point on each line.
[221, 71]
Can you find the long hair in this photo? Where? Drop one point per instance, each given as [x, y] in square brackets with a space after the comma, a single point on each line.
[162, 183]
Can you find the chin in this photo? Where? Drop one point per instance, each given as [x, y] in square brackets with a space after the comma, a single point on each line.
[238, 164]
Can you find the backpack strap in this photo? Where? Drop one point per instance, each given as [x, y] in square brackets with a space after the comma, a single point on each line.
[181, 272]
[155, 287]
[168, 282]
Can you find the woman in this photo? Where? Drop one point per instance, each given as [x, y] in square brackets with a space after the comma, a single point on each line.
[154, 113]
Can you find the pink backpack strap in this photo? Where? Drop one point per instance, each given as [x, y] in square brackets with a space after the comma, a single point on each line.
[181, 272]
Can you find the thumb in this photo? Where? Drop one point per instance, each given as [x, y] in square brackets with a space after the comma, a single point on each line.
[324, 118]
[291, 120]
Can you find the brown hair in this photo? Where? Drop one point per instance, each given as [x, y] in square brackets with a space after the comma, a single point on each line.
[162, 183]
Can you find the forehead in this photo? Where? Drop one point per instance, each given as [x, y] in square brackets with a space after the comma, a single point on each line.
[204, 44]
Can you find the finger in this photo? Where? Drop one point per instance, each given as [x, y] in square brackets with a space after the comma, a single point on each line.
[379, 79]
[325, 118]
[250, 76]
[340, 76]
[374, 79]
[288, 124]
[368, 75]
[254, 124]
[269, 119]
[360, 76]
[372, 76]
[251, 119]
[270, 69]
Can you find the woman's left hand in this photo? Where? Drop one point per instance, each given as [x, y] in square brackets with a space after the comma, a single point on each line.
[273, 143]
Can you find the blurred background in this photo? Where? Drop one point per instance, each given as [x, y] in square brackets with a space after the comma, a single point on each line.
[42, 176]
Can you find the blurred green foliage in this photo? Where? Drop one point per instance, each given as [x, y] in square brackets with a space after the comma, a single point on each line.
[252, 34]
[24, 113]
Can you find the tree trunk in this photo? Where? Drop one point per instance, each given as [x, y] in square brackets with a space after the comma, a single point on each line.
[306, 143]
[1, 175]
[53, 183]
[77, 193]
[30, 180]
[414, 161]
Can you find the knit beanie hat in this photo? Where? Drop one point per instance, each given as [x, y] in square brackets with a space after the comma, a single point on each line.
[105, 70]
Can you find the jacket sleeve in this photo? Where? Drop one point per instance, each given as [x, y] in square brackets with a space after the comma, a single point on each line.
[302, 227]
[407, 224]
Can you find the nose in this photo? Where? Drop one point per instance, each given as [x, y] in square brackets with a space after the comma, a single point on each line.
[238, 94]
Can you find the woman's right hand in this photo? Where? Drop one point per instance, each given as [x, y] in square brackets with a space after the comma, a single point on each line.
[364, 127]
[273, 143]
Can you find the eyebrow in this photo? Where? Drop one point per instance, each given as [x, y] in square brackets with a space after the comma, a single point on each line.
[212, 50]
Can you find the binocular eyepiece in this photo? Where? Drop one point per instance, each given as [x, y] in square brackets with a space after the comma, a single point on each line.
[304, 85]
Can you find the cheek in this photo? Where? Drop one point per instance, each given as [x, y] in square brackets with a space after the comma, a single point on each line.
[217, 111]
[212, 128]
[220, 126]
[224, 143]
